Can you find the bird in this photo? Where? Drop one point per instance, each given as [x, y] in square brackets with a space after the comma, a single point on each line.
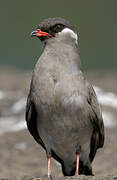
[62, 111]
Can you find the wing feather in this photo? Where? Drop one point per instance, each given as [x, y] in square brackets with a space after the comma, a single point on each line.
[31, 120]
[97, 139]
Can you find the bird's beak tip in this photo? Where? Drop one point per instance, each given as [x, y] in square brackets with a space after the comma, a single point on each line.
[33, 33]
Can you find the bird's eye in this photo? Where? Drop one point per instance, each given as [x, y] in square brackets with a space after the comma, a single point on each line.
[58, 28]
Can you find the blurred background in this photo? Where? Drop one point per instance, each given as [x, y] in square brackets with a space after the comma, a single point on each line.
[96, 25]
[95, 22]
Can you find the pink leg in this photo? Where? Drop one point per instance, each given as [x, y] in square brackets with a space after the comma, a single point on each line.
[77, 164]
[49, 171]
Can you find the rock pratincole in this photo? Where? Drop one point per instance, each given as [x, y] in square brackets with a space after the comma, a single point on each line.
[62, 112]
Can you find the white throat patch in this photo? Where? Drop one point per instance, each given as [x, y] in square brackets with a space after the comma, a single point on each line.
[71, 33]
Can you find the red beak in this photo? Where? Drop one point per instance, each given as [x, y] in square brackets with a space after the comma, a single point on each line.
[40, 33]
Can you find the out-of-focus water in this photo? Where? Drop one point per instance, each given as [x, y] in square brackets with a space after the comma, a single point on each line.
[95, 21]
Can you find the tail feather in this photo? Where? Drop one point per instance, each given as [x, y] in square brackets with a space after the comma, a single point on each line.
[69, 170]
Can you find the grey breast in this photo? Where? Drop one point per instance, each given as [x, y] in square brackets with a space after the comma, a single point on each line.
[59, 92]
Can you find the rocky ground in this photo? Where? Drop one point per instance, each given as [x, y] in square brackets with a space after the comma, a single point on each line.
[20, 155]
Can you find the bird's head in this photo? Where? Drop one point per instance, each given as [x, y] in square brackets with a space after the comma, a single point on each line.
[56, 29]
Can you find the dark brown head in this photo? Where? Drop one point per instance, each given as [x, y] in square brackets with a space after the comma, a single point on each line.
[49, 28]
